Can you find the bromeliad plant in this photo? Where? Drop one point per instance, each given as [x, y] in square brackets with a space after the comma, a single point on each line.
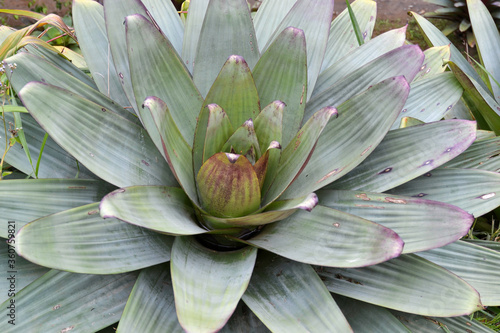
[241, 174]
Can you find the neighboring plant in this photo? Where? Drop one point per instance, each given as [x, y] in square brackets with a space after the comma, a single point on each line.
[457, 12]
[244, 176]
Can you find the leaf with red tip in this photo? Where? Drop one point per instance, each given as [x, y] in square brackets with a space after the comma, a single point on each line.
[228, 186]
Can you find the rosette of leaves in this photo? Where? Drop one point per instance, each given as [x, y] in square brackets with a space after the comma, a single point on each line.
[457, 13]
[242, 174]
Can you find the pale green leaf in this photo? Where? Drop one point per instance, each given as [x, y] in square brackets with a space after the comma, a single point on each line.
[319, 237]
[242, 320]
[165, 15]
[151, 305]
[16, 272]
[362, 123]
[359, 57]
[80, 241]
[475, 264]
[435, 62]
[24, 200]
[160, 208]
[368, 318]
[313, 18]
[475, 191]
[342, 38]
[488, 41]
[281, 74]
[407, 283]
[177, 151]
[268, 17]
[227, 30]
[431, 98]
[192, 29]
[123, 154]
[295, 156]
[482, 154]
[88, 18]
[422, 224]
[289, 297]
[162, 74]
[63, 302]
[208, 284]
[407, 153]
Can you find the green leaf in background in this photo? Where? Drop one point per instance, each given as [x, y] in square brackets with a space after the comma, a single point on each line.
[205, 305]
[289, 297]
[86, 243]
[425, 324]
[482, 154]
[435, 62]
[192, 29]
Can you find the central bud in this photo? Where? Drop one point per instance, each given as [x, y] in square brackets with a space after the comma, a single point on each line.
[228, 186]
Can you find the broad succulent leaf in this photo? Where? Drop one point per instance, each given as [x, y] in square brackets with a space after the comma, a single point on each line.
[115, 12]
[407, 283]
[426, 224]
[281, 74]
[205, 305]
[362, 123]
[25, 200]
[25, 271]
[83, 242]
[268, 17]
[342, 38]
[482, 104]
[227, 29]
[55, 161]
[168, 20]
[269, 124]
[160, 208]
[435, 37]
[89, 21]
[295, 156]
[473, 263]
[161, 74]
[228, 186]
[243, 319]
[192, 29]
[313, 18]
[124, 154]
[403, 61]
[488, 41]
[482, 154]
[362, 315]
[359, 57]
[177, 151]
[398, 159]
[427, 324]
[475, 191]
[316, 238]
[213, 129]
[436, 59]
[82, 302]
[32, 68]
[151, 303]
[431, 98]
[289, 297]
[235, 92]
